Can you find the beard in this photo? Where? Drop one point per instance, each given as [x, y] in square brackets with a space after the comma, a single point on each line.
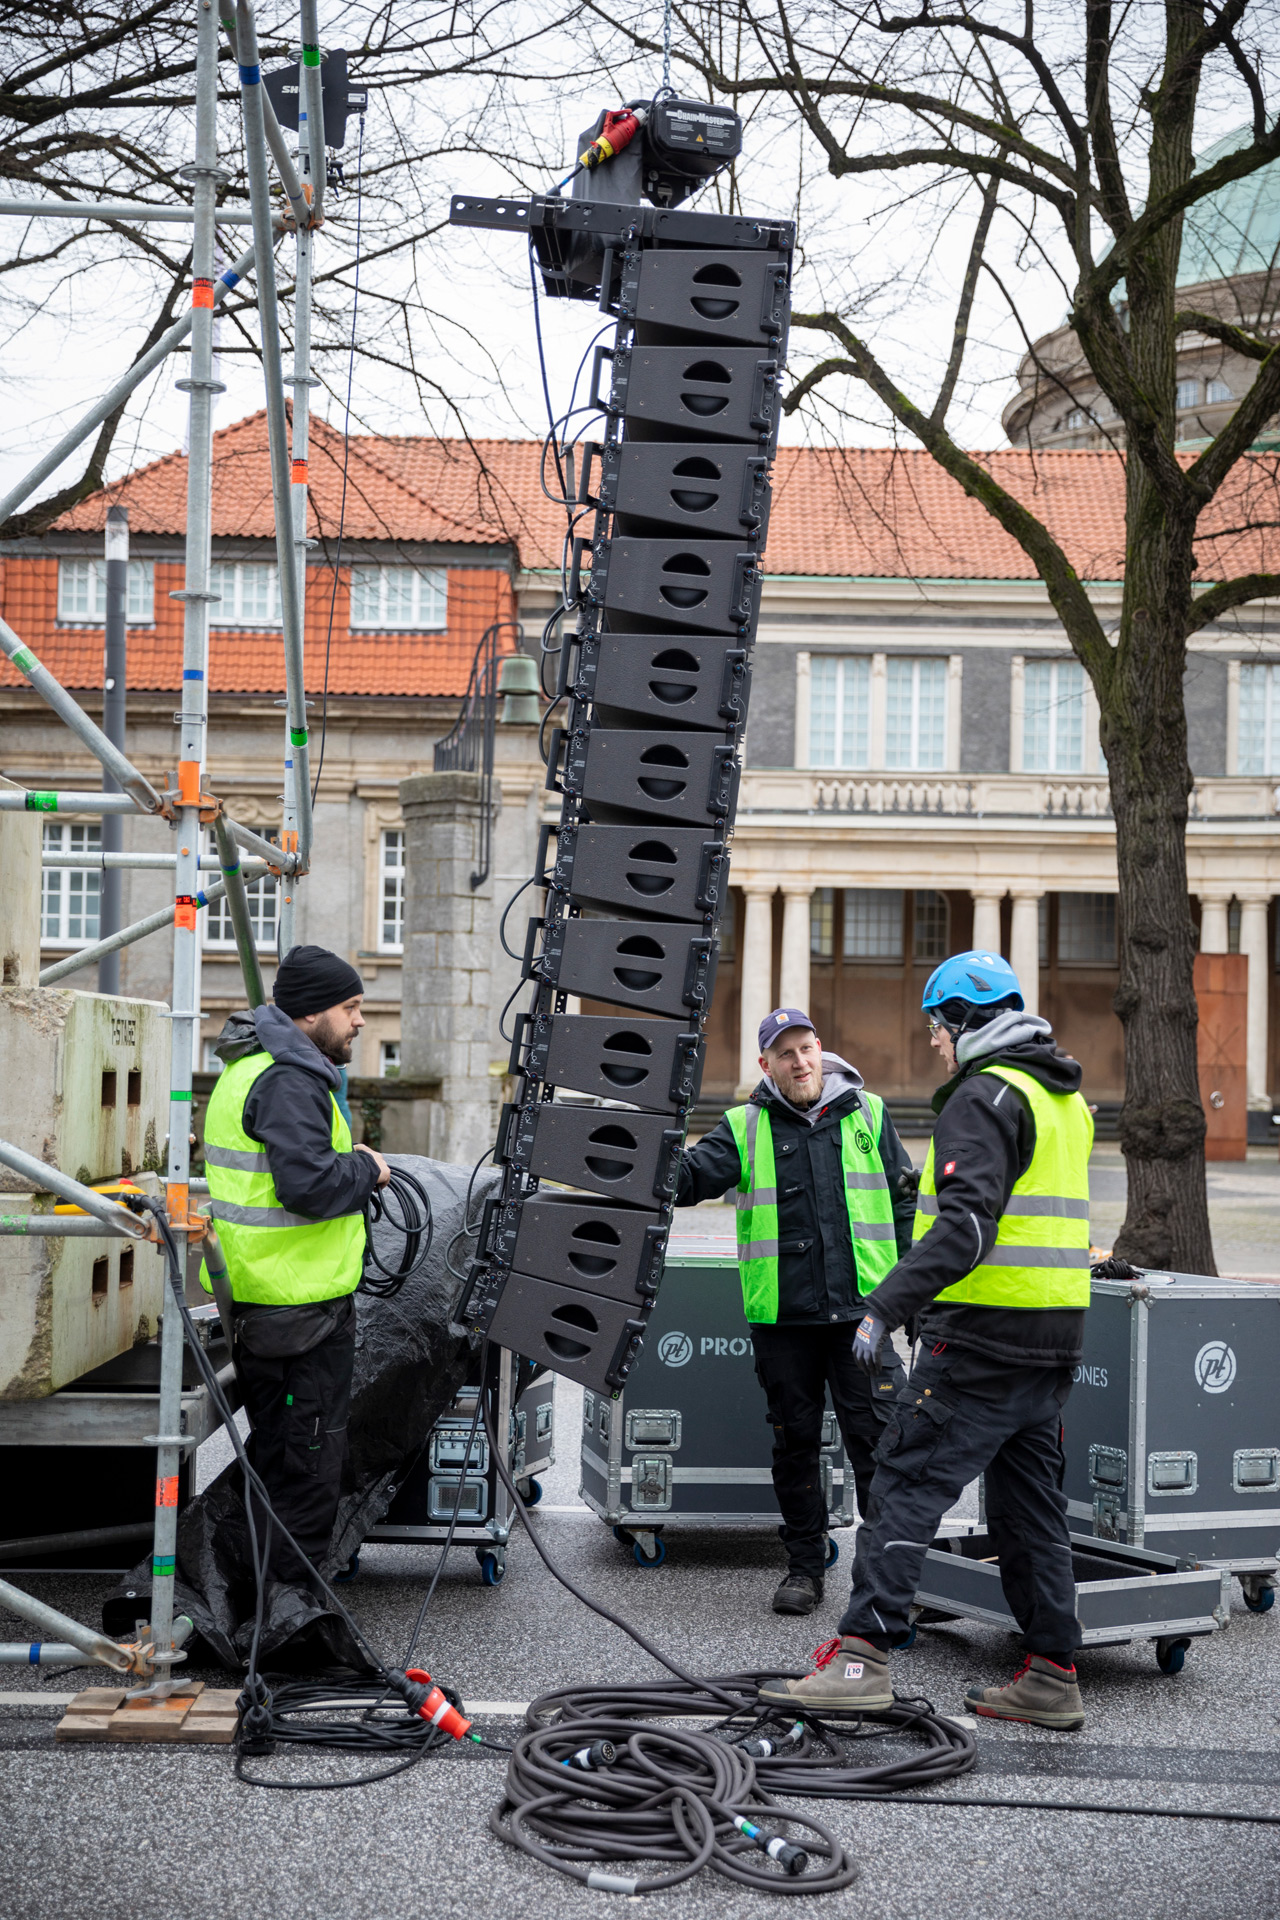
[326, 1036]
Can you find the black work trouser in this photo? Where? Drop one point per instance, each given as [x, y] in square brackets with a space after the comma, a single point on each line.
[939, 1438]
[795, 1366]
[299, 1406]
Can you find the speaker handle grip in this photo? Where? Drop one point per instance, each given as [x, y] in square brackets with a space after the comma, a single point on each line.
[596, 404]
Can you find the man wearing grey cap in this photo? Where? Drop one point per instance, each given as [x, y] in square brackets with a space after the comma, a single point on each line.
[826, 1201]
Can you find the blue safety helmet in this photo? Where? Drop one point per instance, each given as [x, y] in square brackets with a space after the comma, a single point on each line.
[978, 979]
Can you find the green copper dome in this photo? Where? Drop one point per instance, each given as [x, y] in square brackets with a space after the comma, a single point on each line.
[1236, 230]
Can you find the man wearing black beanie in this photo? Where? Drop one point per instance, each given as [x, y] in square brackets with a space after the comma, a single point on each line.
[288, 1192]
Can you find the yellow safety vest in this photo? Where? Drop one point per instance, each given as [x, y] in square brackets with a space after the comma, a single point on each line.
[274, 1258]
[1041, 1252]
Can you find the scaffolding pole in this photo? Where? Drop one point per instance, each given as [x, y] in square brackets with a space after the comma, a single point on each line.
[289, 178]
[36, 802]
[200, 387]
[238, 902]
[91, 735]
[123, 387]
[132, 211]
[153, 923]
[47, 1179]
[251, 98]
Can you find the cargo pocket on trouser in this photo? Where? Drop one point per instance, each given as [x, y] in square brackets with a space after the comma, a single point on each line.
[912, 1435]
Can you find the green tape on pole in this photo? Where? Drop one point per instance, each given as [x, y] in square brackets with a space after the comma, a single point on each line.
[24, 660]
[179, 1096]
[311, 56]
[298, 736]
[162, 1569]
[42, 803]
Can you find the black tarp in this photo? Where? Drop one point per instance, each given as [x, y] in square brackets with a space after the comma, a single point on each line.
[410, 1361]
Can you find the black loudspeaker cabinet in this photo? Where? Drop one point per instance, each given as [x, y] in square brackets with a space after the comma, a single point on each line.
[701, 489]
[634, 771]
[726, 393]
[709, 586]
[612, 1151]
[610, 1250]
[650, 1063]
[678, 873]
[676, 681]
[582, 1335]
[738, 298]
[649, 965]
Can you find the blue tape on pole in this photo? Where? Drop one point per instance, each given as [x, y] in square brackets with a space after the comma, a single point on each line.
[250, 76]
[193, 673]
[229, 279]
[202, 899]
[33, 1653]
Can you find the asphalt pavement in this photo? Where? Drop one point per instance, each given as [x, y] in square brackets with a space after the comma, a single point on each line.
[155, 1833]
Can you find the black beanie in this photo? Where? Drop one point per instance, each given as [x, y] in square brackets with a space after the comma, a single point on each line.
[309, 979]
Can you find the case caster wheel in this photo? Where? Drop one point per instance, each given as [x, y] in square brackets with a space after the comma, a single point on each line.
[530, 1491]
[904, 1646]
[349, 1572]
[623, 1538]
[1171, 1655]
[1259, 1594]
[493, 1566]
[654, 1559]
[833, 1552]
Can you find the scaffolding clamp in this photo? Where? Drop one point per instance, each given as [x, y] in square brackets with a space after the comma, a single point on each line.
[186, 792]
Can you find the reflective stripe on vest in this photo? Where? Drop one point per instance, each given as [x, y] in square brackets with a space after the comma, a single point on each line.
[1041, 1253]
[867, 1200]
[274, 1257]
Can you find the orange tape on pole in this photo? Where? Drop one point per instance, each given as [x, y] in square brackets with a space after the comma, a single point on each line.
[167, 1491]
[298, 473]
[202, 293]
[184, 914]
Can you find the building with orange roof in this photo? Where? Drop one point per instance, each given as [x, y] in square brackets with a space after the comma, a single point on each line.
[922, 766]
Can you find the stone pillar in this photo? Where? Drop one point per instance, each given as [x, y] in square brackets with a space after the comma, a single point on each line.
[1253, 943]
[986, 921]
[1213, 923]
[1024, 947]
[449, 937]
[21, 842]
[756, 985]
[793, 988]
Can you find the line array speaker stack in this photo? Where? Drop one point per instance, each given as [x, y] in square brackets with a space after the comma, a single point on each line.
[655, 682]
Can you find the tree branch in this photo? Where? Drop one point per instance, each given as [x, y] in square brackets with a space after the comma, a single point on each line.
[1245, 344]
[1215, 601]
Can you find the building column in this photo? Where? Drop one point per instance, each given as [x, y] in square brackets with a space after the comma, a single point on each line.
[756, 984]
[1024, 947]
[793, 989]
[986, 922]
[1213, 923]
[1253, 943]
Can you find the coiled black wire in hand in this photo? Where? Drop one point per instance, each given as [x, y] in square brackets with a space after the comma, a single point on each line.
[411, 1217]
[676, 1795]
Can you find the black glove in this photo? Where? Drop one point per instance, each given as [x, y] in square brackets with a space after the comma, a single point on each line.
[908, 1184]
[867, 1342]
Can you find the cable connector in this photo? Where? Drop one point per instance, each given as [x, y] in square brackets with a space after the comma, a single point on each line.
[620, 128]
[434, 1707]
[763, 1749]
[790, 1858]
[256, 1719]
[601, 1753]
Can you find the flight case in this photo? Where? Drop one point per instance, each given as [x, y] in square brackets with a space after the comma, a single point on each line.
[688, 1443]
[443, 1476]
[1173, 1425]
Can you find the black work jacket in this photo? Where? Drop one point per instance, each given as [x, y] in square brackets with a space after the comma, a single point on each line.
[817, 1273]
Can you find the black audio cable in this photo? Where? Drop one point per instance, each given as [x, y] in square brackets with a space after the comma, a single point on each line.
[411, 1217]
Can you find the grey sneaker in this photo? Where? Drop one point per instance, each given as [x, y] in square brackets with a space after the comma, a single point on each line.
[849, 1676]
[1040, 1692]
[798, 1593]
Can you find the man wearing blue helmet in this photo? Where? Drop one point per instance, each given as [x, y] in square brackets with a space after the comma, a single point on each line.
[998, 1277]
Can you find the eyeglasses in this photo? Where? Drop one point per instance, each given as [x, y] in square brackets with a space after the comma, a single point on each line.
[936, 1026]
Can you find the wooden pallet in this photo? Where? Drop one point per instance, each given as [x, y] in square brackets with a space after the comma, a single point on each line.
[196, 1716]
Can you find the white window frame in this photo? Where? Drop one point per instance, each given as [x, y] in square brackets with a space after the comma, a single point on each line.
[844, 680]
[1075, 691]
[82, 593]
[1257, 691]
[938, 664]
[1217, 393]
[218, 913]
[380, 612]
[68, 894]
[389, 1069]
[1182, 389]
[229, 610]
[391, 872]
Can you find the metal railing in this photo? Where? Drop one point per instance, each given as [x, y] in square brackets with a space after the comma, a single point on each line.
[468, 745]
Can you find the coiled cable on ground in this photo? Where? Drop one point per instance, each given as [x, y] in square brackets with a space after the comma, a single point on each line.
[411, 1217]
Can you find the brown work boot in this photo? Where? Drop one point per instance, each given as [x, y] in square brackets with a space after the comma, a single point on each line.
[1042, 1692]
[849, 1676]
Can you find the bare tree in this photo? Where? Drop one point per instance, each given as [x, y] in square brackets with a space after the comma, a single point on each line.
[96, 102]
[1064, 137]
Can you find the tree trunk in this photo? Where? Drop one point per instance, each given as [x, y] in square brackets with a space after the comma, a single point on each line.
[1144, 736]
